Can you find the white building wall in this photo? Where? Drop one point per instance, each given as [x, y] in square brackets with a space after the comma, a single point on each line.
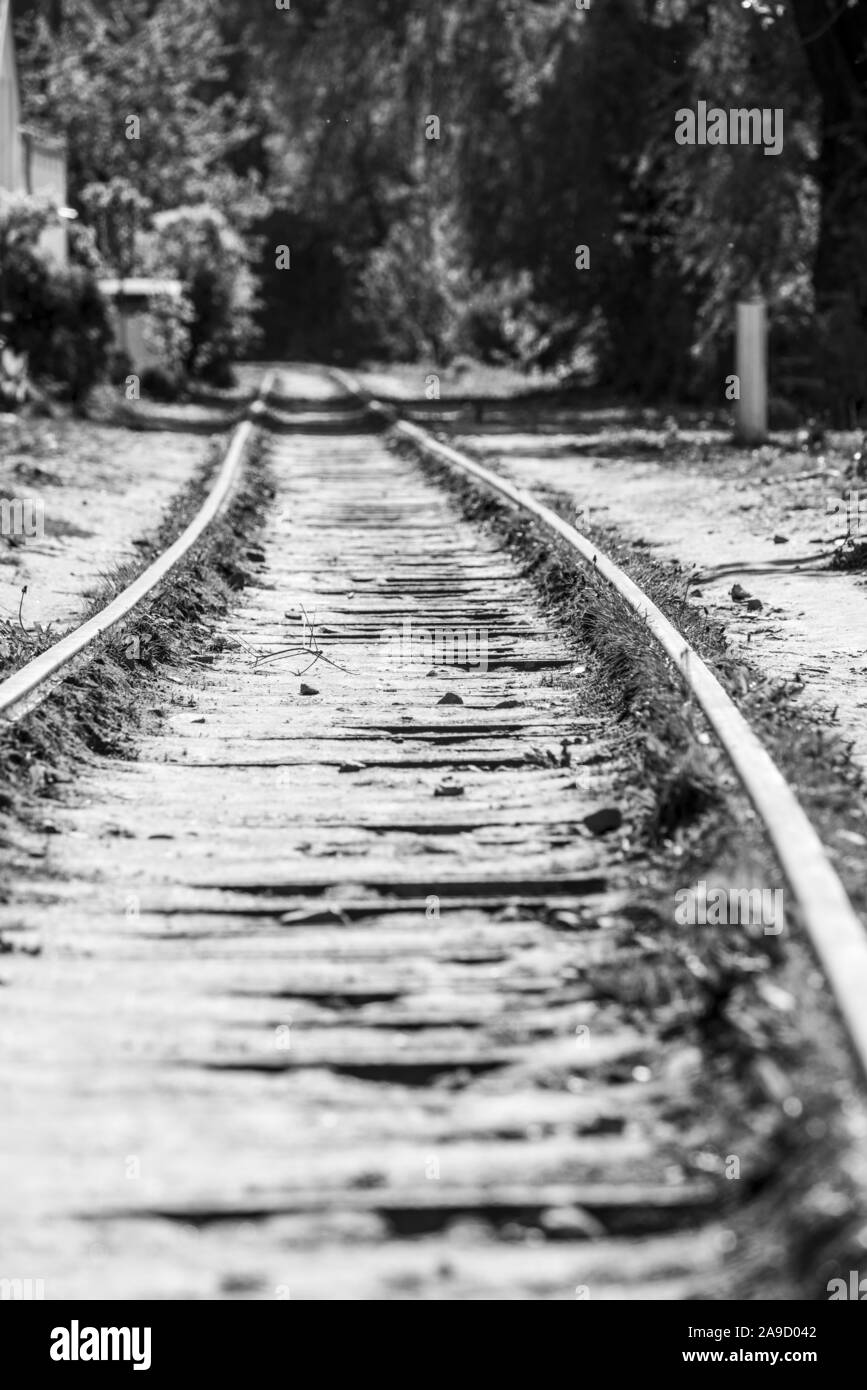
[28, 163]
[11, 163]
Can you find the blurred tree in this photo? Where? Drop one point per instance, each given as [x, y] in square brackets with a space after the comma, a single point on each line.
[141, 92]
[833, 34]
[434, 166]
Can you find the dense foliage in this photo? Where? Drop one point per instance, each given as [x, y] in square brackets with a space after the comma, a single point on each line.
[53, 319]
[310, 127]
[197, 246]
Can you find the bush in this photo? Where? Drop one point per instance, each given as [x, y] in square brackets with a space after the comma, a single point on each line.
[83, 248]
[115, 210]
[160, 385]
[197, 246]
[413, 286]
[419, 290]
[167, 332]
[13, 378]
[56, 316]
[499, 322]
[75, 349]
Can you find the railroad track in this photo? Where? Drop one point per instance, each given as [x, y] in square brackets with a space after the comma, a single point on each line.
[324, 1005]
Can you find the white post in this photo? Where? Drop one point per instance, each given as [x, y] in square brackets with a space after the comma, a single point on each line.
[752, 371]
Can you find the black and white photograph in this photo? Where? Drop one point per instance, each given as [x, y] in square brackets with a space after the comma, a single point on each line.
[433, 670]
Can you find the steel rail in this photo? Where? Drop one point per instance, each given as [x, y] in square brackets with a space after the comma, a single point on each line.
[836, 933]
[32, 682]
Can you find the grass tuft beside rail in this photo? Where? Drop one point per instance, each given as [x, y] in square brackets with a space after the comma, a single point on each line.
[102, 702]
[751, 1010]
